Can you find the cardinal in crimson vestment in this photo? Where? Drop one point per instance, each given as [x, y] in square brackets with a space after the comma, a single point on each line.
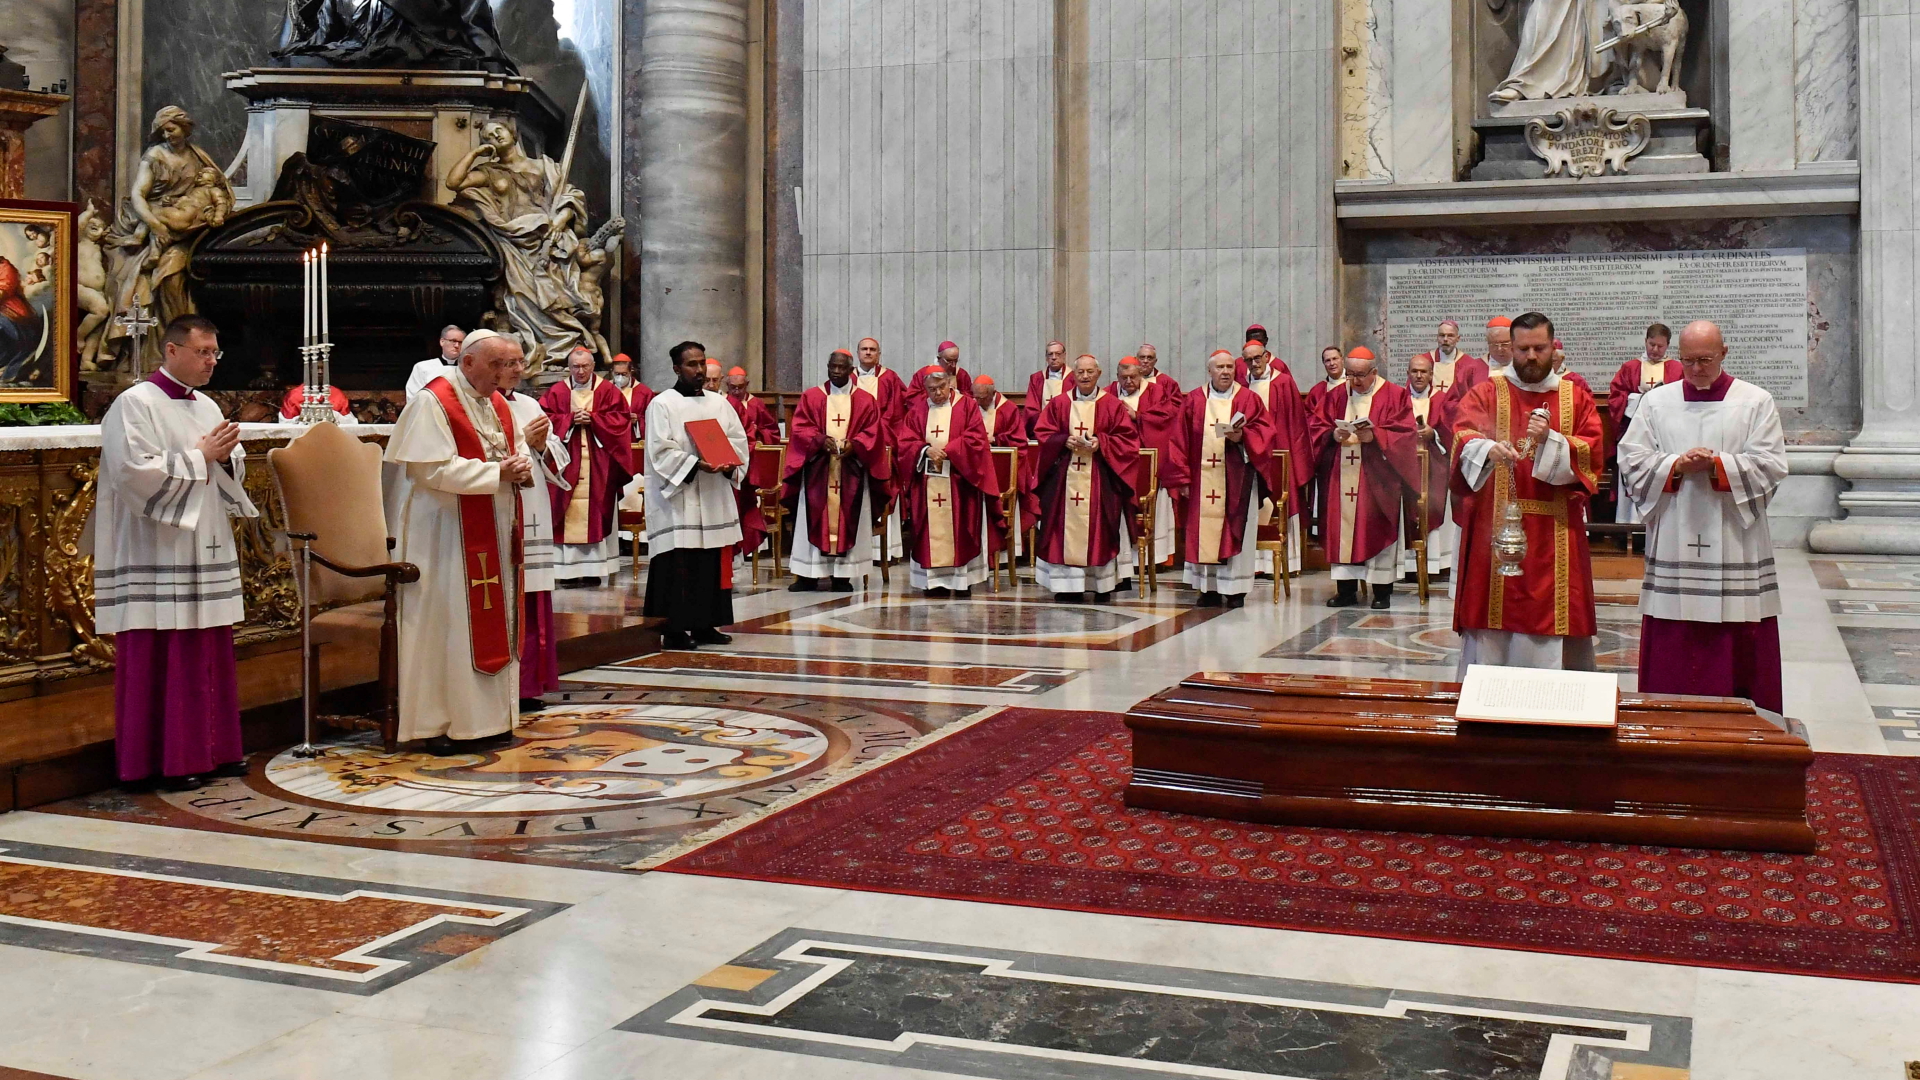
[638, 396]
[1149, 358]
[1651, 369]
[1088, 450]
[762, 430]
[881, 382]
[590, 415]
[1229, 457]
[1269, 377]
[1006, 424]
[1365, 444]
[1533, 438]
[1046, 384]
[949, 357]
[836, 462]
[1452, 365]
[1433, 431]
[1333, 364]
[950, 493]
[1159, 416]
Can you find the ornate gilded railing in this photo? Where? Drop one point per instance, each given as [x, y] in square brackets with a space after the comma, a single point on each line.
[46, 562]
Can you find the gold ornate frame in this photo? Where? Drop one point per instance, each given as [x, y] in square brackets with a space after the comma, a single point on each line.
[61, 216]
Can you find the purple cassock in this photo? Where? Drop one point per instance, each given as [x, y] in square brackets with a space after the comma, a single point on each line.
[167, 581]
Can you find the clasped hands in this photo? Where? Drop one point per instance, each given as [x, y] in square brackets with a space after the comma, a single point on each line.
[1088, 443]
[218, 444]
[517, 470]
[1349, 438]
[1698, 459]
[583, 416]
[935, 455]
[539, 430]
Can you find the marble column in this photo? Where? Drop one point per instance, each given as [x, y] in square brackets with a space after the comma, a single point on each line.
[784, 270]
[693, 154]
[1882, 511]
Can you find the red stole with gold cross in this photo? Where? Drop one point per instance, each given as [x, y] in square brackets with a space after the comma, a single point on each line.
[494, 645]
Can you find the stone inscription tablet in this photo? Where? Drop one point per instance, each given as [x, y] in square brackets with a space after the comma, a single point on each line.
[1601, 304]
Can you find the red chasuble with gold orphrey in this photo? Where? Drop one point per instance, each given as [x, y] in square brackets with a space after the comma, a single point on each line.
[1228, 480]
[1554, 594]
[836, 487]
[943, 513]
[494, 645]
[1365, 482]
[601, 458]
[1085, 496]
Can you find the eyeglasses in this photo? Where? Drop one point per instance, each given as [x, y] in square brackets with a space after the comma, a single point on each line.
[204, 354]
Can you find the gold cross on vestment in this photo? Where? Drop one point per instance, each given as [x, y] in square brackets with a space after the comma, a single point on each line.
[486, 598]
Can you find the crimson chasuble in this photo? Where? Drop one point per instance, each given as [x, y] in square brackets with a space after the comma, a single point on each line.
[1228, 479]
[1158, 415]
[1006, 423]
[1287, 413]
[886, 389]
[638, 396]
[1463, 370]
[962, 385]
[1043, 386]
[835, 487]
[1624, 393]
[1434, 410]
[1086, 497]
[943, 513]
[1365, 481]
[601, 458]
[1554, 593]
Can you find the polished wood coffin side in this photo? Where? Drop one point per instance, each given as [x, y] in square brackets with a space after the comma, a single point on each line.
[1388, 754]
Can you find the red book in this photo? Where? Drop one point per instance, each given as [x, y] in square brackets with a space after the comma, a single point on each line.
[710, 439]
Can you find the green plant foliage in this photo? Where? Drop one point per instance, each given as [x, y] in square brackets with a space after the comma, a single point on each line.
[38, 413]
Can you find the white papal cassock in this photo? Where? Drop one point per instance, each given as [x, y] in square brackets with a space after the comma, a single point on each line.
[688, 508]
[441, 693]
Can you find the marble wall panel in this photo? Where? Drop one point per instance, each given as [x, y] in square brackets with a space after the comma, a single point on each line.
[96, 77]
[1833, 372]
[1826, 79]
[39, 36]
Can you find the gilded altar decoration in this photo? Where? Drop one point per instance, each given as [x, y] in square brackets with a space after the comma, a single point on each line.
[1587, 140]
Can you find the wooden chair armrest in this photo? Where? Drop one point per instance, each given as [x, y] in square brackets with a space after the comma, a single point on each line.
[405, 573]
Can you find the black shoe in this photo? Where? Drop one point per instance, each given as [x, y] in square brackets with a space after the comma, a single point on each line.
[440, 746]
[1209, 599]
[593, 581]
[1127, 584]
[1382, 597]
[841, 584]
[1102, 597]
[181, 783]
[532, 704]
[676, 639]
[232, 770]
[1346, 594]
[1069, 597]
[484, 742]
[709, 636]
[805, 584]
[963, 594]
[1237, 600]
[1262, 575]
[939, 593]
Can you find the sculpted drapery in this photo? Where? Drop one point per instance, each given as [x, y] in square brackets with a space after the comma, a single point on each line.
[1556, 57]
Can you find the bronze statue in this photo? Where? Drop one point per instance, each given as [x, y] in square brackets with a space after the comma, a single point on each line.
[392, 33]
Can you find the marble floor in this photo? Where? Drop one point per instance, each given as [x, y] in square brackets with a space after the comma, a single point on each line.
[370, 916]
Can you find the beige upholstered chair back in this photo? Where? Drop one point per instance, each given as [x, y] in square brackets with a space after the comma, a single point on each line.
[330, 486]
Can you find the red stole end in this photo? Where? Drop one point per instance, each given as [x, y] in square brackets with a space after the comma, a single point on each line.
[493, 644]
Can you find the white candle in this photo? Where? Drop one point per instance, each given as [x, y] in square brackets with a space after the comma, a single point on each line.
[306, 298]
[326, 299]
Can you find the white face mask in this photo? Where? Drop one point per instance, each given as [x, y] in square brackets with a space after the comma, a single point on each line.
[622, 381]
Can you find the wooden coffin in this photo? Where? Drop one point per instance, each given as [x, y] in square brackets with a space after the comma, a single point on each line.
[1388, 754]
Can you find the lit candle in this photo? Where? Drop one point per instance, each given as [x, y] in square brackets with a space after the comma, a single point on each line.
[306, 298]
[326, 299]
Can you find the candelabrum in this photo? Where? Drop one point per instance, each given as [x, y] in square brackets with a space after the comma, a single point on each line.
[316, 400]
[316, 350]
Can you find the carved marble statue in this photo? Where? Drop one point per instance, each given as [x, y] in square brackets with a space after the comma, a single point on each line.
[92, 290]
[392, 33]
[1576, 48]
[550, 293]
[177, 193]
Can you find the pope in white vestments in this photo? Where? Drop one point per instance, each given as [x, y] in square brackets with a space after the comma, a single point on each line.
[693, 520]
[1703, 457]
[459, 624]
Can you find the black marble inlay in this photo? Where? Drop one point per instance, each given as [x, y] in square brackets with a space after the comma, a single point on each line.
[988, 1012]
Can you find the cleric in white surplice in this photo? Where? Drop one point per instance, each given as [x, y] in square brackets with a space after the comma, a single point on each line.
[1702, 459]
[459, 625]
[693, 520]
[166, 571]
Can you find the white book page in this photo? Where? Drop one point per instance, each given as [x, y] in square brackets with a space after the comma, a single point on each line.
[1539, 696]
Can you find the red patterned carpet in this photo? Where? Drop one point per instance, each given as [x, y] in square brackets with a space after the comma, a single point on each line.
[1025, 808]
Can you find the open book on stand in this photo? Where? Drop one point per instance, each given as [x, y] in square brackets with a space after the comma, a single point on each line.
[1510, 695]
